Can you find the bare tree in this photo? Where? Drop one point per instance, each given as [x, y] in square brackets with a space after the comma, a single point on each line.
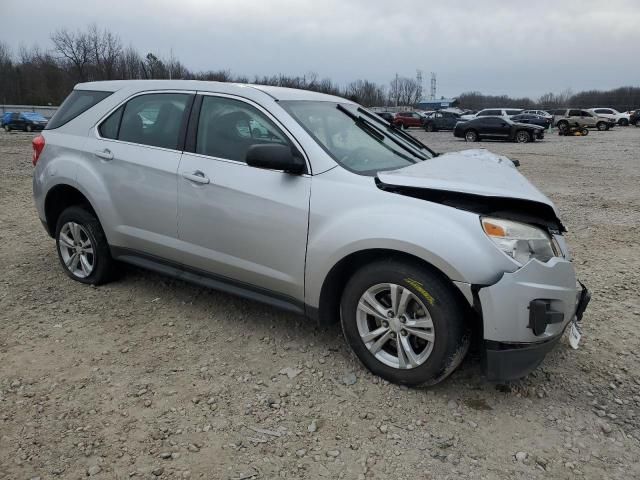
[75, 48]
[106, 50]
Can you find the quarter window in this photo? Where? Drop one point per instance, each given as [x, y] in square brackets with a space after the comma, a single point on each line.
[227, 128]
[150, 119]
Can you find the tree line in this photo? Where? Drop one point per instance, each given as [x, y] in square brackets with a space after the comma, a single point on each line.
[33, 76]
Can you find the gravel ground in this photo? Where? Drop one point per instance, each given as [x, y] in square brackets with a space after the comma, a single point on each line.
[150, 377]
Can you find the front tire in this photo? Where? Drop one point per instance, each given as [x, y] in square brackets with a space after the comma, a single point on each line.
[522, 136]
[7, 128]
[601, 126]
[29, 128]
[429, 127]
[404, 323]
[623, 122]
[82, 247]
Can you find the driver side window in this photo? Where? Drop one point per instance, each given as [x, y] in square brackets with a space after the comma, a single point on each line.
[228, 127]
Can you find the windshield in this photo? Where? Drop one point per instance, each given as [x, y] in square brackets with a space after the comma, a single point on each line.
[356, 139]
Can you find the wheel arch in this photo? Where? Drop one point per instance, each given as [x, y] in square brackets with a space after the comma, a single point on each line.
[59, 198]
[328, 310]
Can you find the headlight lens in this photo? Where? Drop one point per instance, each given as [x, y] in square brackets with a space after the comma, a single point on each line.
[520, 241]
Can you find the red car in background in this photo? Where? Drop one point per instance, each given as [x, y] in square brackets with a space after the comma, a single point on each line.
[408, 119]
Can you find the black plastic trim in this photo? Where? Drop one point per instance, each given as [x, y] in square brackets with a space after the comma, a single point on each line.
[192, 127]
[207, 279]
[504, 362]
[186, 118]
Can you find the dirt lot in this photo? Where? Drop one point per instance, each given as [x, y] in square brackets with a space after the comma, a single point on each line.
[154, 378]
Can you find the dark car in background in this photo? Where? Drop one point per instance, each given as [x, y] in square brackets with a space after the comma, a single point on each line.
[634, 119]
[25, 121]
[441, 121]
[408, 119]
[388, 116]
[497, 128]
[532, 119]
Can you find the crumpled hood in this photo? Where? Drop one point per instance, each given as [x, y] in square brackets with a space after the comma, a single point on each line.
[475, 172]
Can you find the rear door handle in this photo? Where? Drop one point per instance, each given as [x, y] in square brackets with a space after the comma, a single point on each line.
[197, 177]
[105, 154]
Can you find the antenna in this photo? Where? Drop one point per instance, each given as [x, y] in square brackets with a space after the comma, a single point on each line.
[433, 86]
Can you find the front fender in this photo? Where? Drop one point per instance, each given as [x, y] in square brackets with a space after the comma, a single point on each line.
[361, 217]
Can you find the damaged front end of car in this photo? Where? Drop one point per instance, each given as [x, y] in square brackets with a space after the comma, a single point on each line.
[525, 311]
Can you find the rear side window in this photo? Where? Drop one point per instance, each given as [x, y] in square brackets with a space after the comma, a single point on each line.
[111, 126]
[79, 101]
[150, 119]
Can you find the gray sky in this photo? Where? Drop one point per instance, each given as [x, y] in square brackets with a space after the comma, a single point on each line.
[494, 46]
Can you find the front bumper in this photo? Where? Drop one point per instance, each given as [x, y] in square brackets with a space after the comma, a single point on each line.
[525, 313]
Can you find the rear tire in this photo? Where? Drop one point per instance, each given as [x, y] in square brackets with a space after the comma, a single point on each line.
[82, 247]
[423, 342]
[7, 128]
[623, 122]
[429, 127]
[471, 136]
[585, 131]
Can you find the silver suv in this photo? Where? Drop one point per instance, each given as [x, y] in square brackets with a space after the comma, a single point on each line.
[313, 204]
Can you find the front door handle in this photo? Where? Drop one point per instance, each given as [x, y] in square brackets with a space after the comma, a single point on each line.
[105, 154]
[197, 177]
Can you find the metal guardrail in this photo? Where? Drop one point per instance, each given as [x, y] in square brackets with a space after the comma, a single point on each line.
[46, 111]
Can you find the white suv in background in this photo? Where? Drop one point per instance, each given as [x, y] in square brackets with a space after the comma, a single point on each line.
[620, 118]
[494, 112]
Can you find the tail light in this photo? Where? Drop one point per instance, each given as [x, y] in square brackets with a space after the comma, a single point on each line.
[38, 145]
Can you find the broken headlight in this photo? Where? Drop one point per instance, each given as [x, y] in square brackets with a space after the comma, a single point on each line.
[520, 241]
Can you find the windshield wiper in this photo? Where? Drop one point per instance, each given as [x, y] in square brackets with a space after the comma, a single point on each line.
[403, 134]
[379, 134]
[363, 124]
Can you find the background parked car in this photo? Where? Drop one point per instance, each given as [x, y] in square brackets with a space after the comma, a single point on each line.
[388, 116]
[26, 121]
[612, 114]
[408, 119]
[532, 119]
[494, 112]
[565, 117]
[497, 128]
[634, 118]
[441, 121]
[540, 113]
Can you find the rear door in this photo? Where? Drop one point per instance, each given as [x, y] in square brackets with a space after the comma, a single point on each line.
[238, 223]
[136, 152]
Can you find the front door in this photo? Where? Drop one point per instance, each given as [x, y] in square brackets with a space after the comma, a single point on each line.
[239, 223]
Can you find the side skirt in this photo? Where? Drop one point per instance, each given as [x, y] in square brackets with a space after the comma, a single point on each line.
[208, 280]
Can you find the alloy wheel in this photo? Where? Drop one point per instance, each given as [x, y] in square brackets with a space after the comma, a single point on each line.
[522, 137]
[76, 249]
[395, 326]
[471, 136]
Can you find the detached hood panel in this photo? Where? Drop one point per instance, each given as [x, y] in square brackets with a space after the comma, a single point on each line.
[473, 173]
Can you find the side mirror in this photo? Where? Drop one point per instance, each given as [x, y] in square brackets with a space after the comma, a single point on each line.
[275, 157]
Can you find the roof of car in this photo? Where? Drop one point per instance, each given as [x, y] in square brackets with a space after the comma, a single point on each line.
[278, 93]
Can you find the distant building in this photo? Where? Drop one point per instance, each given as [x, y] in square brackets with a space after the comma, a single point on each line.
[437, 104]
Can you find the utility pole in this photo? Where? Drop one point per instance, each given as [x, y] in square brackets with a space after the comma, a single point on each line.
[433, 86]
[396, 90]
[419, 80]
